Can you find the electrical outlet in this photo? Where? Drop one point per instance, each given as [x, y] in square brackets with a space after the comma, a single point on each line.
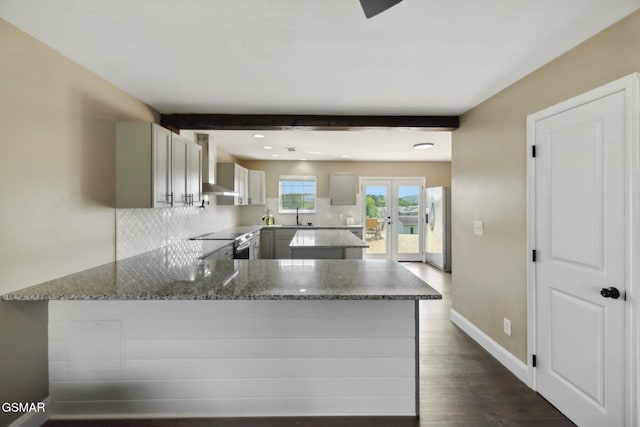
[507, 326]
[478, 228]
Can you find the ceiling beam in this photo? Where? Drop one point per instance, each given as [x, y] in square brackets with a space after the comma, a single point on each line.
[306, 122]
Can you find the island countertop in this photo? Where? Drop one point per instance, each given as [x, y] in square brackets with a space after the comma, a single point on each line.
[326, 238]
[175, 273]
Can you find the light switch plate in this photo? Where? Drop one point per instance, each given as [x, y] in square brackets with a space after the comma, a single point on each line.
[507, 326]
[478, 228]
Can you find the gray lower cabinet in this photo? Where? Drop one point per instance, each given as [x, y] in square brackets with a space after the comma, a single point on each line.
[274, 242]
[224, 253]
[281, 246]
[267, 237]
[357, 232]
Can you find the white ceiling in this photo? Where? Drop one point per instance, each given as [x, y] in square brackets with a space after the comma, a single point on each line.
[421, 57]
[388, 145]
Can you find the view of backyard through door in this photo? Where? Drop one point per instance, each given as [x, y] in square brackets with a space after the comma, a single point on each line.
[393, 214]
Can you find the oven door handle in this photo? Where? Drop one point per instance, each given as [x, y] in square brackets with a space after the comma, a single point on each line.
[243, 246]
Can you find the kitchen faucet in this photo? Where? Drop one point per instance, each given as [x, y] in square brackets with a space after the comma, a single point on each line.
[297, 220]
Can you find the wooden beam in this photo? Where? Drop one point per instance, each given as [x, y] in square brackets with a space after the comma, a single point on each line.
[306, 122]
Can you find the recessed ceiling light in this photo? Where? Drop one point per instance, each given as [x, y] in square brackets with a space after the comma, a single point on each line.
[266, 147]
[423, 145]
[258, 135]
[274, 155]
[344, 156]
[303, 159]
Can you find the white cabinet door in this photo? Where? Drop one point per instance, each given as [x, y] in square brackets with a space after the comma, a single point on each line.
[179, 170]
[161, 152]
[240, 184]
[256, 188]
[194, 173]
[343, 188]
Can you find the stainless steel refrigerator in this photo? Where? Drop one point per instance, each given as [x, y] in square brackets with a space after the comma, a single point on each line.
[437, 242]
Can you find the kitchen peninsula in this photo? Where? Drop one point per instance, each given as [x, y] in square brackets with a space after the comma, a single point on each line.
[168, 334]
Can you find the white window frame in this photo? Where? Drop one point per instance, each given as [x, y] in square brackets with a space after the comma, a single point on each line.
[297, 178]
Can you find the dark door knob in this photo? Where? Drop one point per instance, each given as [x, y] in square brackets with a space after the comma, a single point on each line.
[610, 293]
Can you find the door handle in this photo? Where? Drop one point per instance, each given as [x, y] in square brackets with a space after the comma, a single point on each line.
[610, 292]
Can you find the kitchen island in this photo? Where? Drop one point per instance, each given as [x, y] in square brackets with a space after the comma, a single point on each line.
[164, 334]
[326, 244]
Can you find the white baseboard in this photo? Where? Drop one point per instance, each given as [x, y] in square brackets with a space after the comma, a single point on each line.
[33, 419]
[512, 363]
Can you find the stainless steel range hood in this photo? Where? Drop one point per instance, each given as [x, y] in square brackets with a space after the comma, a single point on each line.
[209, 185]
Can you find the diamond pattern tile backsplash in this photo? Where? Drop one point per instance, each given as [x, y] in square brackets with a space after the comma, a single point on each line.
[326, 214]
[143, 230]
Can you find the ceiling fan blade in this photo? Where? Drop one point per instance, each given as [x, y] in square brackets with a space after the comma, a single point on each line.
[373, 7]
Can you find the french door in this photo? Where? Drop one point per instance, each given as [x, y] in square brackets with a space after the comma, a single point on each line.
[392, 212]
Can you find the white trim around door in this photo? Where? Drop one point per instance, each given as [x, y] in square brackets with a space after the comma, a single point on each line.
[630, 86]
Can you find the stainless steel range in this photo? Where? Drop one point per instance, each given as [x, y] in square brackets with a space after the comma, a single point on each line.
[244, 243]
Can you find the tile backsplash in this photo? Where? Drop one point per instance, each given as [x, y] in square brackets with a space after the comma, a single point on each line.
[142, 230]
[326, 214]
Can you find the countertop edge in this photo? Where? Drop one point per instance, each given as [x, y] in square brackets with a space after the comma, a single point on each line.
[14, 298]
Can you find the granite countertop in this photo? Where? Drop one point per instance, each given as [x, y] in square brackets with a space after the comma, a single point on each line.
[326, 238]
[312, 227]
[176, 273]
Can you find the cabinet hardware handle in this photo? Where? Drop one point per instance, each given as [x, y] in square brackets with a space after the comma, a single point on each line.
[170, 196]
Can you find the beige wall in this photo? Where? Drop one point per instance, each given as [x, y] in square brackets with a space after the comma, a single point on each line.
[488, 179]
[436, 173]
[57, 182]
[24, 374]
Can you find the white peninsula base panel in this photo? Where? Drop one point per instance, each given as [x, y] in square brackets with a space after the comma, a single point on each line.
[114, 359]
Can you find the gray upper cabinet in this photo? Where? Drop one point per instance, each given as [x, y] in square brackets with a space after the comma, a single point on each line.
[187, 171]
[257, 188]
[343, 187]
[194, 173]
[179, 170]
[155, 167]
[249, 184]
[236, 177]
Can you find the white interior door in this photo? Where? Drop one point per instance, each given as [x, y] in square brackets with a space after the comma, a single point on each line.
[580, 241]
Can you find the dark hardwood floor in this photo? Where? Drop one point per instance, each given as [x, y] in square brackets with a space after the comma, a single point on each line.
[460, 384]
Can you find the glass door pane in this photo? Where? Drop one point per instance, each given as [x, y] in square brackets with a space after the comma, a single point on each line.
[376, 213]
[407, 224]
